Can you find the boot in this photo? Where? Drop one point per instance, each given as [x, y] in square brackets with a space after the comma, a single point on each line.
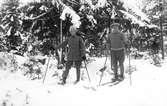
[76, 81]
[63, 82]
[64, 76]
[78, 76]
[121, 77]
[115, 78]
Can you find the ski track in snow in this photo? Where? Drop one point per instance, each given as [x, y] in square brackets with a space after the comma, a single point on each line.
[148, 88]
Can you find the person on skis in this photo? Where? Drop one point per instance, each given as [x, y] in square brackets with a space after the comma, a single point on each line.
[76, 53]
[116, 44]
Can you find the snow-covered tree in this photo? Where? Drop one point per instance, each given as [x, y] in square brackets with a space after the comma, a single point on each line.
[11, 23]
[155, 10]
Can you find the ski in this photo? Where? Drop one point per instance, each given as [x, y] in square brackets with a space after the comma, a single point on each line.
[115, 83]
[111, 83]
[90, 87]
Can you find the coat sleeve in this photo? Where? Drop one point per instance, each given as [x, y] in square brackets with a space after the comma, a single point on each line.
[62, 44]
[82, 47]
[125, 40]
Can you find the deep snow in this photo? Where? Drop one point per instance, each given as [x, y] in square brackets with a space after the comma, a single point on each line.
[148, 87]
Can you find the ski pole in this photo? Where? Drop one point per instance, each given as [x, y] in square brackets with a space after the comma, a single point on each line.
[46, 68]
[130, 69]
[129, 46]
[102, 70]
[87, 71]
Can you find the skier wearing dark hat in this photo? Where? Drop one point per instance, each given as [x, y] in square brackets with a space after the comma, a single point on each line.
[116, 44]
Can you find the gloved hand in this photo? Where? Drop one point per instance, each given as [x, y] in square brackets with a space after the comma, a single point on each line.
[51, 48]
[127, 45]
[84, 57]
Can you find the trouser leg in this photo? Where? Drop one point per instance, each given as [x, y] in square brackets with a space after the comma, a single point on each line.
[114, 63]
[121, 70]
[66, 72]
[121, 63]
[115, 69]
[78, 72]
[111, 62]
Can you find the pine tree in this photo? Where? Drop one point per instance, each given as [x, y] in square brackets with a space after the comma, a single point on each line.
[11, 23]
[43, 23]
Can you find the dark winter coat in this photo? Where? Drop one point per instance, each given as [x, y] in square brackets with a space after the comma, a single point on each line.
[116, 40]
[76, 48]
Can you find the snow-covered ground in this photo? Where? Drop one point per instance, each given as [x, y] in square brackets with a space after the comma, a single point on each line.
[148, 87]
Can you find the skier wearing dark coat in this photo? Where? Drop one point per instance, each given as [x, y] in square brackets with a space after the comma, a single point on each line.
[76, 53]
[116, 44]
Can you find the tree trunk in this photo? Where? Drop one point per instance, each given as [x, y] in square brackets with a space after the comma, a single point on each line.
[161, 27]
[61, 40]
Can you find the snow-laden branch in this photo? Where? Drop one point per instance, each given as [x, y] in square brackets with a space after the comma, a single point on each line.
[26, 2]
[89, 2]
[75, 18]
[137, 21]
[133, 18]
[66, 11]
[133, 6]
[1, 2]
[151, 5]
[100, 3]
[92, 19]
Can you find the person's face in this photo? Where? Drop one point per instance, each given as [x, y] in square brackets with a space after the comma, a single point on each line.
[115, 28]
[73, 32]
